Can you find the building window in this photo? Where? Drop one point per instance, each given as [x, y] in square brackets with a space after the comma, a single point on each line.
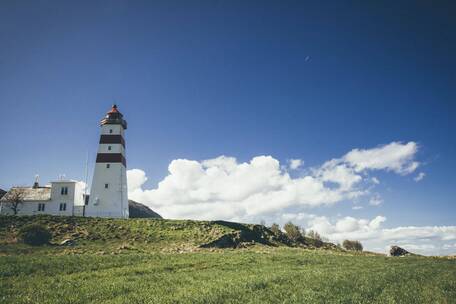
[62, 207]
[106, 186]
[109, 148]
[41, 206]
[64, 191]
[108, 166]
[110, 130]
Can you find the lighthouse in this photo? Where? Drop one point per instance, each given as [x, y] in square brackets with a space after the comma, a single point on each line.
[109, 193]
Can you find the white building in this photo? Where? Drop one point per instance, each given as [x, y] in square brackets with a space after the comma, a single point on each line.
[63, 197]
[109, 193]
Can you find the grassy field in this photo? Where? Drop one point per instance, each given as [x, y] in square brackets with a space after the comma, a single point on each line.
[172, 269]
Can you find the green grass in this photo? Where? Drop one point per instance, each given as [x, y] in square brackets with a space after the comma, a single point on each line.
[105, 272]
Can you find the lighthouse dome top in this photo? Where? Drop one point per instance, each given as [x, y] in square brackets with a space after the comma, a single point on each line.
[114, 117]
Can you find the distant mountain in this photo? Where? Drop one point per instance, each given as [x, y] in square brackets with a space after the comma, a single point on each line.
[138, 210]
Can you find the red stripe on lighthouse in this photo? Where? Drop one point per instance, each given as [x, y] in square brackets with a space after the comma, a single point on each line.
[112, 139]
[111, 158]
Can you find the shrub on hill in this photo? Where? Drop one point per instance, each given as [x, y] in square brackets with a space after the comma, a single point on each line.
[316, 238]
[314, 235]
[293, 231]
[275, 228]
[352, 245]
[35, 234]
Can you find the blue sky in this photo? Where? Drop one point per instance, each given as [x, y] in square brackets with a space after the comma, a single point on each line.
[200, 79]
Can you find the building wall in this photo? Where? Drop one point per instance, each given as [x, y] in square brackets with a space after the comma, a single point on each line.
[79, 194]
[115, 148]
[116, 129]
[113, 201]
[31, 208]
[58, 197]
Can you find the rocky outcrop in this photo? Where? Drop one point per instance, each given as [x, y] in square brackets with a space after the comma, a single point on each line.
[138, 210]
[398, 251]
[245, 235]
[2, 193]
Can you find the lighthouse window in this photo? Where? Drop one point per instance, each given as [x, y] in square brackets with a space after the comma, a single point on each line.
[109, 148]
[62, 207]
[106, 186]
[64, 191]
[108, 166]
[110, 130]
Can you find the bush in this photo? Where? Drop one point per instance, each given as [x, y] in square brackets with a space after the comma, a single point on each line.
[293, 232]
[275, 228]
[314, 235]
[352, 245]
[35, 234]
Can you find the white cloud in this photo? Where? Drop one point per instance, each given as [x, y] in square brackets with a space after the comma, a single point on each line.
[338, 173]
[224, 188]
[136, 178]
[357, 207]
[396, 156]
[375, 200]
[375, 180]
[295, 163]
[420, 176]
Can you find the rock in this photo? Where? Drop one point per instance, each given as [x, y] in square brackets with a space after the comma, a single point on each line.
[125, 247]
[68, 242]
[137, 210]
[398, 251]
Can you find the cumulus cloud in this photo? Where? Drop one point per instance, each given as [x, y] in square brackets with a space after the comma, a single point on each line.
[136, 178]
[420, 176]
[295, 163]
[396, 156]
[225, 188]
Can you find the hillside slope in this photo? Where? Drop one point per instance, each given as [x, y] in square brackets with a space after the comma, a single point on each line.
[169, 261]
[138, 210]
[158, 233]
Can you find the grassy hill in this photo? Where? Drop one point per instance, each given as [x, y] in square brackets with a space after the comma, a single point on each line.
[169, 261]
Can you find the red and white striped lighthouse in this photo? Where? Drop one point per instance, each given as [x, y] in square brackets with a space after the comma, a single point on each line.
[109, 193]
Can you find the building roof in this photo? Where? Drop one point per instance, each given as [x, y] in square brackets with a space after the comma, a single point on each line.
[64, 181]
[114, 109]
[29, 194]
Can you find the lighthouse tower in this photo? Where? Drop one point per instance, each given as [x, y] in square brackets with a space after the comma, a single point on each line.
[108, 194]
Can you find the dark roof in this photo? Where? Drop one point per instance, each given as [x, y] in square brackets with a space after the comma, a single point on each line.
[30, 194]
